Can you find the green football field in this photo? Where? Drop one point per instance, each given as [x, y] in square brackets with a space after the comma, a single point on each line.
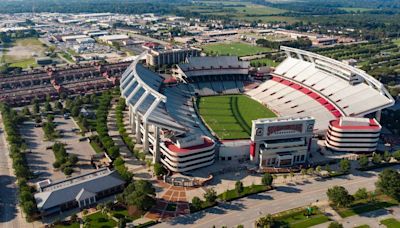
[234, 49]
[230, 116]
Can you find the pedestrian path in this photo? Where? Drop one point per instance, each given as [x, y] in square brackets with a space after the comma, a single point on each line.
[138, 168]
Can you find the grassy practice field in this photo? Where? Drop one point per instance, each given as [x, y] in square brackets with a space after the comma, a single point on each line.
[230, 116]
[235, 49]
[22, 52]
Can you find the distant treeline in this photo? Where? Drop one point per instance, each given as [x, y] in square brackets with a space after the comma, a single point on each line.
[90, 6]
[299, 43]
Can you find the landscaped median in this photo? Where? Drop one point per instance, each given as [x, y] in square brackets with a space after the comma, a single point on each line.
[301, 217]
[366, 205]
[248, 190]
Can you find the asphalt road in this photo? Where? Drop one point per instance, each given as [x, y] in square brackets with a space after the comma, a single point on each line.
[9, 215]
[246, 210]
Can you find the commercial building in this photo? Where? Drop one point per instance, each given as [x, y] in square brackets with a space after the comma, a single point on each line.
[113, 38]
[281, 142]
[73, 38]
[351, 134]
[79, 191]
[170, 56]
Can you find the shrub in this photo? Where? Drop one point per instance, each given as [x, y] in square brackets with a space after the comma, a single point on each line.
[68, 171]
[267, 179]
[363, 162]
[196, 203]
[239, 187]
[335, 225]
[376, 158]
[361, 194]
[210, 195]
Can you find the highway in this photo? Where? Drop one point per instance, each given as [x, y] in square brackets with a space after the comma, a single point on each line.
[246, 210]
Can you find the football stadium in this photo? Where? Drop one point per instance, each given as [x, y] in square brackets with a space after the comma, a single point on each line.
[185, 122]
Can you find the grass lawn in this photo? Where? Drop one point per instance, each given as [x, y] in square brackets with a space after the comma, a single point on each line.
[264, 62]
[391, 223]
[297, 218]
[363, 206]
[100, 220]
[204, 205]
[230, 116]
[22, 52]
[122, 212]
[96, 147]
[248, 190]
[235, 49]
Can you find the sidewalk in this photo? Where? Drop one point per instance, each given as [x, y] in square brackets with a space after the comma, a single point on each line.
[133, 164]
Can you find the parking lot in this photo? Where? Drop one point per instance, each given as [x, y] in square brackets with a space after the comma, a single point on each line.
[40, 160]
[82, 149]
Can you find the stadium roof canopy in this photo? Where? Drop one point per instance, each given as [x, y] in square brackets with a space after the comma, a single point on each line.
[351, 90]
[213, 65]
[140, 87]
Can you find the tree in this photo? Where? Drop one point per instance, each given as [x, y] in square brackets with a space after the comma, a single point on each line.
[36, 107]
[265, 222]
[339, 196]
[328, 168]
[310, 171]
[345, 165]
[141, 194]
[47, 107]
[335, 225]
[361, 194]
[387, 156]
[389, 183]
[267, 179]
[159, 170]
[75, 111]
[363, 162]
[58, 105]
[196, 203]
[26, 111]
[239, 187]
[210, 195]
[376, 158]
[396, 155]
